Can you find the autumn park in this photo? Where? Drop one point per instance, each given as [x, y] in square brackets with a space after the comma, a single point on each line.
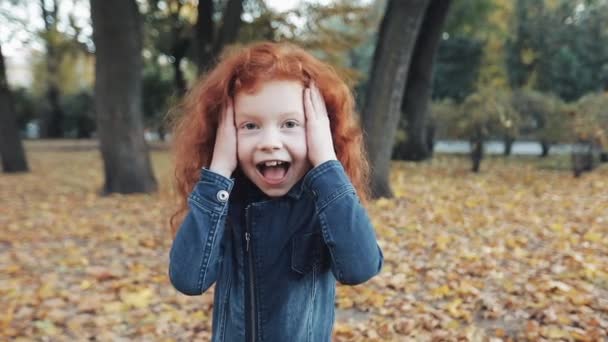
[485, 124]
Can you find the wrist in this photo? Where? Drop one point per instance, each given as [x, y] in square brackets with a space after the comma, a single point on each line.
[220, 170]
[323, 160]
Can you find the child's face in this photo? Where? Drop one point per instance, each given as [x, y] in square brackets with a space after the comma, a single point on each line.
[271, 127]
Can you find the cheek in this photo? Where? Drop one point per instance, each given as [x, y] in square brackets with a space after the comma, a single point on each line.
[299, 145]
[243, 148]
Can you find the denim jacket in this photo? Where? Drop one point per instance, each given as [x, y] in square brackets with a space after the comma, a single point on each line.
[275, 261]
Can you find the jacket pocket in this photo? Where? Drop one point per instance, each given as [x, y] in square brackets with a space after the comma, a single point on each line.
[306, 252]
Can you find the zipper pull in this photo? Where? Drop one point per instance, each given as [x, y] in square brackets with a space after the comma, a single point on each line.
[247, 237]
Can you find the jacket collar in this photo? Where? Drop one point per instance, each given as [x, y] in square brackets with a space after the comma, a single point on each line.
[297, 189]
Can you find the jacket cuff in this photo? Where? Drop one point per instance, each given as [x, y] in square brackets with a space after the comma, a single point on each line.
[328, 182]
[212, 191]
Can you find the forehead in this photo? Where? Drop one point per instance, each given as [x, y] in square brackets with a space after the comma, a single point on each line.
[269, 99]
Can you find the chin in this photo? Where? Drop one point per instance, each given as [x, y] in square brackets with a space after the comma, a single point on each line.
[275, 192]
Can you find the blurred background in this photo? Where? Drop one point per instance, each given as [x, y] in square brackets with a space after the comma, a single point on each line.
[486, 124]
[520, 76]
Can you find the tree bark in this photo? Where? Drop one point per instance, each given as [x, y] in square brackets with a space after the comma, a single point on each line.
[117, 34]
[230, 25]
[179, 47]
[51, 125]
[203, 37]
[396, 41]
[420, 81]
[208, 46]
[11, 147]
[477, 148]
[508, 141]
[545, 147]
[179, 81]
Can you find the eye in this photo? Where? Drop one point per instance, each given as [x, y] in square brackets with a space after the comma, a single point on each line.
[249, 126]
[291, 124]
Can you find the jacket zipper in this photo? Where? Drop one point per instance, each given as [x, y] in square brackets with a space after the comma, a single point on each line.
[251, 277]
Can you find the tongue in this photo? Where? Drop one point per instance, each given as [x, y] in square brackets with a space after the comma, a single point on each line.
[274, 173]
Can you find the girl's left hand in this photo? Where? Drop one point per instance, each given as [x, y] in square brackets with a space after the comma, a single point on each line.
[318, 132]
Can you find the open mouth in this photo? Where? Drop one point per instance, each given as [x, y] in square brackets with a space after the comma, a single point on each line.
[273, 171]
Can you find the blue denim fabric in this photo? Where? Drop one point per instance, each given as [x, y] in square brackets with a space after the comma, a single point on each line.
[280, 284]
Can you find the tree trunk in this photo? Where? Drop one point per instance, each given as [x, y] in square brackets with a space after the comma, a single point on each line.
[420, 81]
[11, 148]
[396, 40]
[208, 46]
[508, 141]
[51, 125]
[476, 142]
[231, 23]
[582, 157]
[203, 37]
[545, 147]
[430, 138]
[117, 34]
[476, 154]
[179, 47]
[178, 76]
[476, 150]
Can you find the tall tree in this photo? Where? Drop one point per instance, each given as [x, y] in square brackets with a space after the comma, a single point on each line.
[419, 82]
[11, 148]
[117, 34]
[179, 46]
[168, 30]
[397, 38]
[52, 120]
[207, 44]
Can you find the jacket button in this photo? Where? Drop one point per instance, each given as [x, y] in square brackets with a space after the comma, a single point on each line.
[222, 195]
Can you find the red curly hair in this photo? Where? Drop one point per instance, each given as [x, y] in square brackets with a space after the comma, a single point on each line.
[244, 69]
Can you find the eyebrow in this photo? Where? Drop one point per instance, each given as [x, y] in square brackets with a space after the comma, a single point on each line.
[282, 115]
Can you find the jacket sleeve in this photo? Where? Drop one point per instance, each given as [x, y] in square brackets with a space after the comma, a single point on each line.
[345, 225]
[195, 252]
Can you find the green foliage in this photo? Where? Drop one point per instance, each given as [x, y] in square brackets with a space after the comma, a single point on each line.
[78, 108]
[444, 113]
[468, 33]
[166, 21]
[483, 114]
[590, 118]
[25, 106]
[340, 33]
[559, 46]
[466, 17]
[543, 115]
[79, 121]
[67, 61]
[157, 95]
[453, 78]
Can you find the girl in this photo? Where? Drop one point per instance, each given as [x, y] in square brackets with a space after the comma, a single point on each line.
[271, 170]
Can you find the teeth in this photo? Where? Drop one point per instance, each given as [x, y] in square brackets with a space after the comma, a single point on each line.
[273, 163]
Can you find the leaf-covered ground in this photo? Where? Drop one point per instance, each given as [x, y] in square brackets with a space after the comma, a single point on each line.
[517, 252]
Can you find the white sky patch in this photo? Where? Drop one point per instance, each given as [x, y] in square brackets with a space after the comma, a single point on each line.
[283, 5]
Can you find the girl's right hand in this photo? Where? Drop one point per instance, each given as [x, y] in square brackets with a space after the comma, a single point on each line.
[224, 160]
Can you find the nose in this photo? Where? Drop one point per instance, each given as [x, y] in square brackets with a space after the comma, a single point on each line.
[270, 140]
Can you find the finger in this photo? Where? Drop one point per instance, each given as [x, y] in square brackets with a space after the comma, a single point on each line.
[225, 116]
[313, 99]
[308, 106]
[223, 108]
[230, 113]
[318, 102]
